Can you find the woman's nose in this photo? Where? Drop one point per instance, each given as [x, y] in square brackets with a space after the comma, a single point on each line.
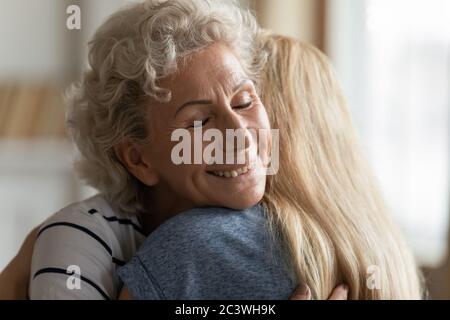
[235, 131]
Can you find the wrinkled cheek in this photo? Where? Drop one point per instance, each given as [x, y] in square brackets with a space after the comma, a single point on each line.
[264, 146]
[266, 137]
[273, 154]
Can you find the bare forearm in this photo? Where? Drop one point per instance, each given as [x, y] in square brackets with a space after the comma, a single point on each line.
[13, 286]
[15, 277]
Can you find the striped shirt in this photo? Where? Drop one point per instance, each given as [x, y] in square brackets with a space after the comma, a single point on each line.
[79, 250]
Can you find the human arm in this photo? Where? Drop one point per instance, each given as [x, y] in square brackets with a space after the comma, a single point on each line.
[14, 279]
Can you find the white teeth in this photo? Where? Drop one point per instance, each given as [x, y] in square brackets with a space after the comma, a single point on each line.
[232, 173]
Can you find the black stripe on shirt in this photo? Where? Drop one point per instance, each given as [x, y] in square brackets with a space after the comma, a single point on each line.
[62, 271]
[118, 262]
[87, 231]
[120, 221]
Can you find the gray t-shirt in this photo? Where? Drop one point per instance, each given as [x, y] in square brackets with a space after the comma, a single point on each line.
[210, 253]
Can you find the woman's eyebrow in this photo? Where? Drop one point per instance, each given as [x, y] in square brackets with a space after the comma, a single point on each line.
[190, 103]
[241, 84]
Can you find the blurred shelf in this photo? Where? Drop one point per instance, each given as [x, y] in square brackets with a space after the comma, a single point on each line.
[29, 110]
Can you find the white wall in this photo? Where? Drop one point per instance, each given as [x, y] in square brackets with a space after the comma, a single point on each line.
[393, 62]
[36, 45]
[32, 39]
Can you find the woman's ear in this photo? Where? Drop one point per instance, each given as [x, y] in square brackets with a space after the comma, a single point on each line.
[136, 163]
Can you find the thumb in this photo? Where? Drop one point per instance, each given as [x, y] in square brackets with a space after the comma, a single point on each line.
[302, 292]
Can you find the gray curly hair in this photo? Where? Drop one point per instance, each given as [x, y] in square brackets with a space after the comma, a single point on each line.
[129, 53]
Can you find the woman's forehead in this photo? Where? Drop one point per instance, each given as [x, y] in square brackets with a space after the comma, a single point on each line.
[214, 68]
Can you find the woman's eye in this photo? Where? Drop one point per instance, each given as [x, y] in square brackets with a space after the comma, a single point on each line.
[199, 123]
[243, 106]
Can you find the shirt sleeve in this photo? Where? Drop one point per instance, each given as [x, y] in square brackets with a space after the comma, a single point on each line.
[73, 259]
[139, 281]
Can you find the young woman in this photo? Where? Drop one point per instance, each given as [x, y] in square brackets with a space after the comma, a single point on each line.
[324, 199]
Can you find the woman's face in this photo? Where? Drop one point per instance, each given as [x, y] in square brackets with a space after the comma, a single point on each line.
[210, 86]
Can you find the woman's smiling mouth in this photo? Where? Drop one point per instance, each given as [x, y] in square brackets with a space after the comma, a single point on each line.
[231, 173]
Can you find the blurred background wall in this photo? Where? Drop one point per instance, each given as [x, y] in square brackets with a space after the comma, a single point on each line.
[392, 58]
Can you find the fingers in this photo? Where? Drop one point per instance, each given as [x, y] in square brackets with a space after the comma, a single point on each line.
[302, 292]
[125, 294]
[339, 293]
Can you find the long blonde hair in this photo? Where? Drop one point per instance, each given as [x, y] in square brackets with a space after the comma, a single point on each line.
[324, 200]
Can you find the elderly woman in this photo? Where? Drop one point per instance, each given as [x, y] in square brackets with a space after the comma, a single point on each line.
[158, 67]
